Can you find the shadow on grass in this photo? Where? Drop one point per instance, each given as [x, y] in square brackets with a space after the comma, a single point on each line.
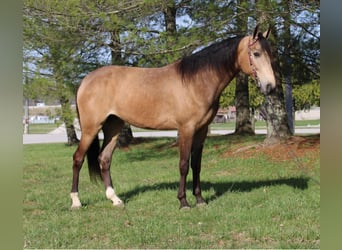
[223, 187]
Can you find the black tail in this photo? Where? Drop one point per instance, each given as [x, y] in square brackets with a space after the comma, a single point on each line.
[93, 163]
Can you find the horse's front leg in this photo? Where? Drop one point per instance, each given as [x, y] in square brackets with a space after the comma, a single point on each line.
[196, 158]
[185, 142]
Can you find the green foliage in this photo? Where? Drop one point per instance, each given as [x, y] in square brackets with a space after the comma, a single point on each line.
[306, 95]
[65, 40]
[74, 37]
[228, 96]
[55, 45]
[255, 97]
[40, 88]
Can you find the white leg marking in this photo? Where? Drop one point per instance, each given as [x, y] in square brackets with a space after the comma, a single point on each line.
[76, 203]
[110, 193]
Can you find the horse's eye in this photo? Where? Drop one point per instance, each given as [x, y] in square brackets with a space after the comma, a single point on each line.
[256, 54]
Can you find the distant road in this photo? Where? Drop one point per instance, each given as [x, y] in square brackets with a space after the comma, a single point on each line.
[61, 137]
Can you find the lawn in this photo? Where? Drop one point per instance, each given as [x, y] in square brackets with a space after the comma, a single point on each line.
[42, 128]
[258, 197]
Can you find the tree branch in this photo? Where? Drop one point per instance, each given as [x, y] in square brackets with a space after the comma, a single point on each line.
[195, 43]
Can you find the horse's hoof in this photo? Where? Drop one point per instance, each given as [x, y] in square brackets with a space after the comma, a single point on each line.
[185, 208]
[119, 205]
[75, 207]
[201, 204]
[75, 201]
[184, 204]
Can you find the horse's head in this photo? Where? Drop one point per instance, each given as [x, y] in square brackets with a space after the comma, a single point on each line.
[255, 60]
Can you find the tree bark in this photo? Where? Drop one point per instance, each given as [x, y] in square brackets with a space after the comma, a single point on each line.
[276, 117]
[289, 102]
[68, 119]
[274, 107]
[170, 17]
[287, 68]
[243, 118]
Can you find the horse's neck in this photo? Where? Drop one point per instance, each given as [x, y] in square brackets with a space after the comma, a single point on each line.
[220, 83]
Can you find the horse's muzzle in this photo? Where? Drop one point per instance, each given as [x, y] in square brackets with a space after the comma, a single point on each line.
[266, 88]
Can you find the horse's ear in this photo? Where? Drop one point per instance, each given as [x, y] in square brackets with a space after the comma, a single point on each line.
[255, 31]
[267, 33]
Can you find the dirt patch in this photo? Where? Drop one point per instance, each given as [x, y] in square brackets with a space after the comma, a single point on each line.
[296, 146]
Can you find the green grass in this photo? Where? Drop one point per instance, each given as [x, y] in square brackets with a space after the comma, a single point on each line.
[252, 202]
[42, 128]
[306, 123]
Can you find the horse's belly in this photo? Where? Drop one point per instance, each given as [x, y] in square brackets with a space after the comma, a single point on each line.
[158, 123]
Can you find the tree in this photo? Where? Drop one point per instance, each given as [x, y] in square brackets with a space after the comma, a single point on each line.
[292, 19]
[63, 41]
[286, 63]
[256, 99]
[54, 51]
[243, 112]
[38, 88]
[228, 95]
[243, 116]
[306, 95]
[276, 117]
[299, 29]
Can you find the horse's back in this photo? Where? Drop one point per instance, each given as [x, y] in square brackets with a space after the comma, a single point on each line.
[141, 96]
[129, 78]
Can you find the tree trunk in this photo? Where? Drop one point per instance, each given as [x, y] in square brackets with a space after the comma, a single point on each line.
[243, 118]
[253, 119]
[68, 119]
[289, 102]
[243, 124]
[170, 17]
[287, 68]
[276, 117]
[274, 107]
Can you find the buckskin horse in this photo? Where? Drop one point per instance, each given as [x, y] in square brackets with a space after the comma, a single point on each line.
[188, 89]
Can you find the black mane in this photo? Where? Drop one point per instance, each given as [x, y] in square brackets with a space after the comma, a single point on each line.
[219, 57]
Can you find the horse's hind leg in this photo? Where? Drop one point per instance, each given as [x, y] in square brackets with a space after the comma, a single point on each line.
[78, 159]
[111, 130]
